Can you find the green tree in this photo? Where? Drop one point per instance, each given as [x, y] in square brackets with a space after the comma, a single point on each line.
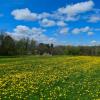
[8, 45]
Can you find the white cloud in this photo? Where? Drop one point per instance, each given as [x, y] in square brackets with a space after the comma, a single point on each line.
[72, 18]
[93, 42]
[86, 29]
[21, 29]
[94, 18]
[75, 9]
[64, 30]
[76, 31]
[61, 23]
[44, 15]
[47, 23]
[64, 17]
[90, 33]
[24, 14]
[67, 13]
[38, 30]
[33, 33]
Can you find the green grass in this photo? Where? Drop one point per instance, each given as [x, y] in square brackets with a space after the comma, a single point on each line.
[50, 78]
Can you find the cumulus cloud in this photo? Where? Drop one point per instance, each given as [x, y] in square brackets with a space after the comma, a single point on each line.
[21, 29]
[94, 18]
[75, 9]
[90, 33]
[86, 29]
[61, 23]
[93, 42]
[47, 23]
[33, 33]
[38, 30]
[44, 15]
[57, 18]
[64, 30]
[71, 18]
[50, 23]
[68, 13]
[24, 14]
[76, 31]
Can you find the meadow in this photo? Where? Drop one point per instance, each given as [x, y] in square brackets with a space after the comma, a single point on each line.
[50, 78]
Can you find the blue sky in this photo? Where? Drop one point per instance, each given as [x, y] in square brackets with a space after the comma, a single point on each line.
[74, 22]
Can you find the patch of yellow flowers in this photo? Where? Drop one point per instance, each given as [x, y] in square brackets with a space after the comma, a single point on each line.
[52, 78]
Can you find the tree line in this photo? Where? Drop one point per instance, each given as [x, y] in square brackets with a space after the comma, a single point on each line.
[25, 46]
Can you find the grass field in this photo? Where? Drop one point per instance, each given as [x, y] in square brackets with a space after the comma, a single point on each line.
[50, 78]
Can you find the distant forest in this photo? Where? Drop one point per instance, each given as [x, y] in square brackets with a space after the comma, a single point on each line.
[9, 47]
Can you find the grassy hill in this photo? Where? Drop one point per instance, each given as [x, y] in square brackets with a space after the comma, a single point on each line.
[50, 78]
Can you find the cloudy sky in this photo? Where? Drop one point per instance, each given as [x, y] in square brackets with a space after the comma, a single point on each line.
[74, 22]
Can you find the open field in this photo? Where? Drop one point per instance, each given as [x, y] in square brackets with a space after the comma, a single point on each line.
[50, 78]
